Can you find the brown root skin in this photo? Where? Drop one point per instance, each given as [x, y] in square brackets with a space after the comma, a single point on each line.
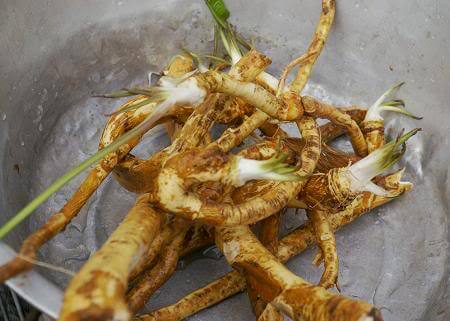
[250, 66]
[331, 131]
[333, 158]
[319, 109]
[290, 246]
[246, 69]
[205, 164]
[289, 293]
[149, 259]
[270, 313]
[234, 110]
[153, 279]
[373, 131]
[268, 236]
[330, 191]
[211, 294]
[327, 243]
[170, 195]
[134, 174]
[316, 46]
[198, 237]
[272, 130]
[288, 107]
[329, 158]
[99, 287]
[232, 137]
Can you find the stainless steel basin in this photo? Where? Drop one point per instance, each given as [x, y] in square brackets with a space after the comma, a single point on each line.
[54, 54]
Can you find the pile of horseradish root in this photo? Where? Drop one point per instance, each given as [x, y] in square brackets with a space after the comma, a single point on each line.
[199, 191]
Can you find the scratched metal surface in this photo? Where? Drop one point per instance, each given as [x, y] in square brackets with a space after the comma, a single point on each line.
[54, 54]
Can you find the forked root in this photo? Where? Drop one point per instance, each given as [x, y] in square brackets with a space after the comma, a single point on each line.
[291, 294]
[117, 125]
[97, 292]
[290, 246]
[154, 278]
[287, 107]
[317, 44]
[133, 173]
[319, 109]
[170, 184]
[327, 245]
[149, 259]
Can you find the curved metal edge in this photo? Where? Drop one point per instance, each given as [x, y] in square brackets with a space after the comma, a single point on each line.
[28, 284]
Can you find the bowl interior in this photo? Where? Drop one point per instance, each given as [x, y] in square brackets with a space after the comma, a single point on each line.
[55, 59]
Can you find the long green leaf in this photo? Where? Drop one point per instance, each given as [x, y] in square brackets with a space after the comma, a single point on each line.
[63, 180]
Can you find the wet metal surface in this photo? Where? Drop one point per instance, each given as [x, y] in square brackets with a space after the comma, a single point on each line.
[55, 54]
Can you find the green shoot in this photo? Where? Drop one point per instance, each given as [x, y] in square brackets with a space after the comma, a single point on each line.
[67, 177]
[383, 104]
[219, 11]
[198, 59]
[273, 168]
[116, 94]
[230, 39]
[187, 92]
[383, 158]
[135, 106]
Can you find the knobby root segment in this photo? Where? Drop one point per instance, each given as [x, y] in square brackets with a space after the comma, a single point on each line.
[132, 172]
[211, 294]
[290, 246]
[97, 292]
[292, 295]
[327, 246]
[319, 109]
[169, 184]
[331, 131]
[117, 125]
[288, 107]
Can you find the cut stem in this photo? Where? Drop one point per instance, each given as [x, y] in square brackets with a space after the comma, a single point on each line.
[270, 169]
[387, 103]
[186, 92]
[363, 171]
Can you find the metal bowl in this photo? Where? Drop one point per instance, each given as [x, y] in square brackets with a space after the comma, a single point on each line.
[55, 54]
